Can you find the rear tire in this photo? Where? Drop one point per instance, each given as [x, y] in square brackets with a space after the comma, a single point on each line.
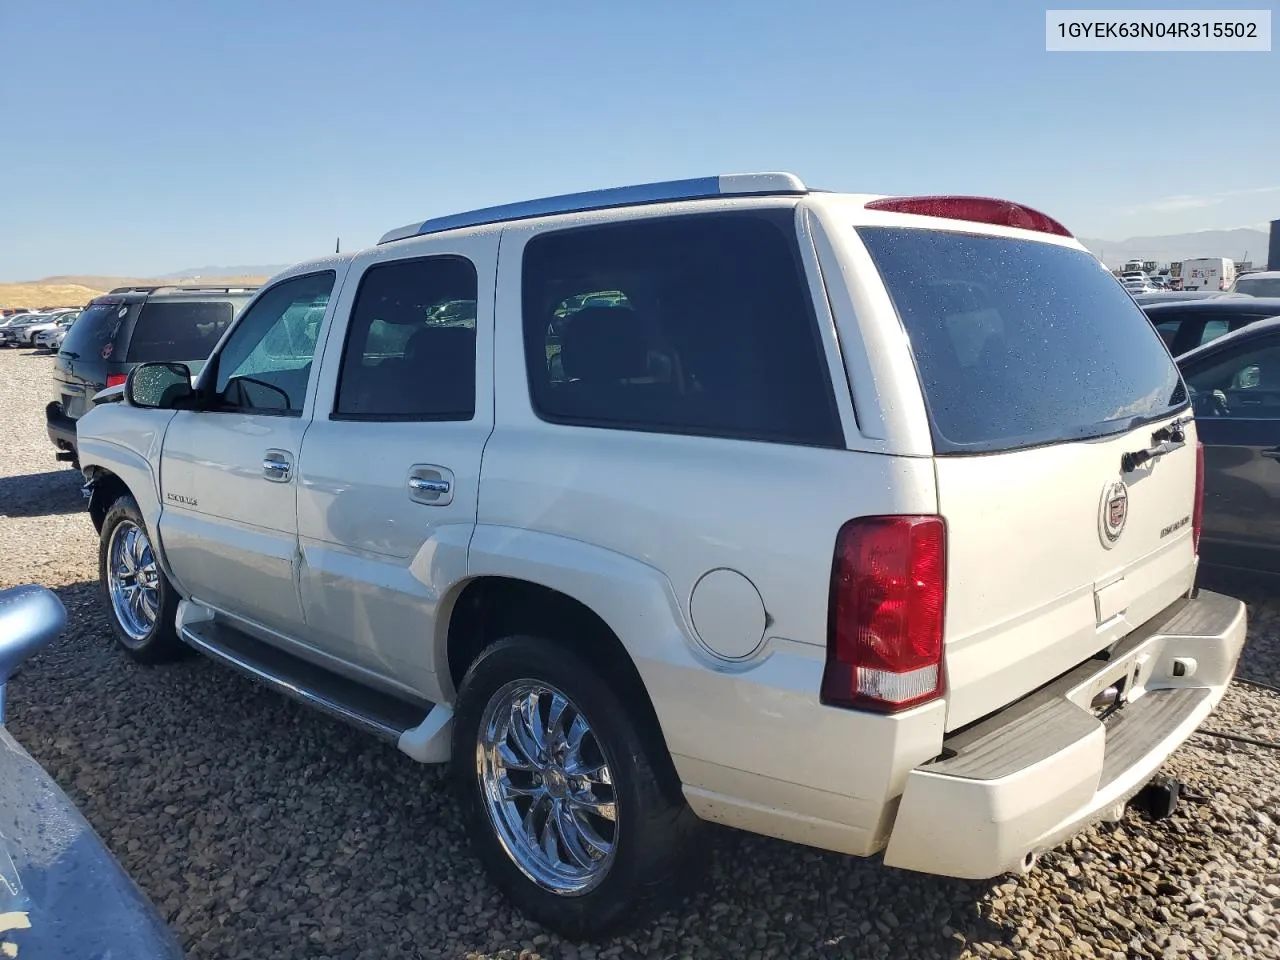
[614, 844]
[141, 603]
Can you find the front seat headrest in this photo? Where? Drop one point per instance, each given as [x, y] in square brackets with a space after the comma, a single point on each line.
[605, 343]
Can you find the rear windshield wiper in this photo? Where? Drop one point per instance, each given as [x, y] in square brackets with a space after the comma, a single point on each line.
[70, 353]
[1164, 440]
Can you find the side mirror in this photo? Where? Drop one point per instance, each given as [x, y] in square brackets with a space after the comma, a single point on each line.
[158, 385]
[29, 618]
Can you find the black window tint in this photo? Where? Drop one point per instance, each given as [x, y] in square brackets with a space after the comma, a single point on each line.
[697, 324]
[95, 332]
[1168, 330]
[411, 344]
[1020, 342]
[178, 330]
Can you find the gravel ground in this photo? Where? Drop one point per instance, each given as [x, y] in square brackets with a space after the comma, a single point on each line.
[262, 830]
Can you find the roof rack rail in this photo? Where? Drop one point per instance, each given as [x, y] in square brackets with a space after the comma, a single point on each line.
[209, 288]
[184, 288]
[697, 188]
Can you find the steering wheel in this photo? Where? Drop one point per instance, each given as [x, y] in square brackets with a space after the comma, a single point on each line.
[1210, 403]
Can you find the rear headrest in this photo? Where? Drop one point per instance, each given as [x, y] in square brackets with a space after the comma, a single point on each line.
[434, 344]
[604, 343]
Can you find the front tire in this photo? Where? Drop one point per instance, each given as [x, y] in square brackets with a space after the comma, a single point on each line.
[562, 795]
[141, 603]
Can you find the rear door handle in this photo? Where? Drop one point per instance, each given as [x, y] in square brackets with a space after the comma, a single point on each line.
[1273, 453]
[430, 484]
[421, 485]
[277, 466]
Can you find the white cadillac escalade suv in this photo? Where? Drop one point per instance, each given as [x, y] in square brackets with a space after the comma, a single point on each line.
[867, 523]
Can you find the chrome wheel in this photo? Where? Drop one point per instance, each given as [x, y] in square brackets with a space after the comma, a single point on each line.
[547, 787]
[133, 580]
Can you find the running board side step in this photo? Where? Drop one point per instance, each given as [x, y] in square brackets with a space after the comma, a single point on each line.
[420, 730]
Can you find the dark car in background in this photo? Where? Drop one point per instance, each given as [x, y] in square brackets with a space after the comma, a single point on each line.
[1188, 324]
[1170, 296]
[128, 326]
[1234, 382]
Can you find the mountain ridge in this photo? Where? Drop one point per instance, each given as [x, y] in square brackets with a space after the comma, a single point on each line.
[1232, 244]
[254, 270]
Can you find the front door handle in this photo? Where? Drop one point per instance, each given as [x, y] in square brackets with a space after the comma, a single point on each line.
[277, 466]
[1273, 453]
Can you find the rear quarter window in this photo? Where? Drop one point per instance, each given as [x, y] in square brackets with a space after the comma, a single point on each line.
[1021, 343]
[698, 324]
[180, 330]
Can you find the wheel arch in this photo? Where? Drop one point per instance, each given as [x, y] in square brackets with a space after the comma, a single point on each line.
[105, 488]
[113, 471]
[617, 614]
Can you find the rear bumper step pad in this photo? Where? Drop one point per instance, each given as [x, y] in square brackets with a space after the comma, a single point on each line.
[1023, 780]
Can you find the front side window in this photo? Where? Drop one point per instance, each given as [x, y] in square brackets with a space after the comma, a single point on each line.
[266, 362]
[411, 344]
[1241, 383]
[699, 324]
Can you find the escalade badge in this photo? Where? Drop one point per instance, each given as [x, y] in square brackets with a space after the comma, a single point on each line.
[1112, 512]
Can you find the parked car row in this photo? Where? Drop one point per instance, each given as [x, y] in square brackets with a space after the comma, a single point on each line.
[640, 510]
[21, 330]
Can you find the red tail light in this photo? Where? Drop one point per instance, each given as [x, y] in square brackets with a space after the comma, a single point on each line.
[1197, 508]
[115, 379]
[884, 638]
[1003, 213]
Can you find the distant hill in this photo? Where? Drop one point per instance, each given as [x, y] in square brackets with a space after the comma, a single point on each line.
[76, 291]
[1233, 244]
[260, 270]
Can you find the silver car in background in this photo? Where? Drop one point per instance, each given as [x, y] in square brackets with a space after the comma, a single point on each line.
[50, 338]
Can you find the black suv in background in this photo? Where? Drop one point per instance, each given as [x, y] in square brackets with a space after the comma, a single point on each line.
[128, 326]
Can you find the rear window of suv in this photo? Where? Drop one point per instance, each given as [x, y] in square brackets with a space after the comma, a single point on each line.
[1021, 343]
[94, 330]
[179, 330]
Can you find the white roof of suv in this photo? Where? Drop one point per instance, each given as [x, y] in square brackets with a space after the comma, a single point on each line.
[725, 185]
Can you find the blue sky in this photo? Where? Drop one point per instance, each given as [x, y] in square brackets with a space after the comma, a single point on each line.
[145, 136]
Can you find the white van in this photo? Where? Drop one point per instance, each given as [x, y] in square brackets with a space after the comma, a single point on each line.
[1211, 273]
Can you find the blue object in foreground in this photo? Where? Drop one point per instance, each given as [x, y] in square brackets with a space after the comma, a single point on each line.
[63, 896]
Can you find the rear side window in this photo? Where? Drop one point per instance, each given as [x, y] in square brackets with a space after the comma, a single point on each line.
[92, 336]
[698, 324]
[411, 344]
[179, 330]
[1021, 343]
